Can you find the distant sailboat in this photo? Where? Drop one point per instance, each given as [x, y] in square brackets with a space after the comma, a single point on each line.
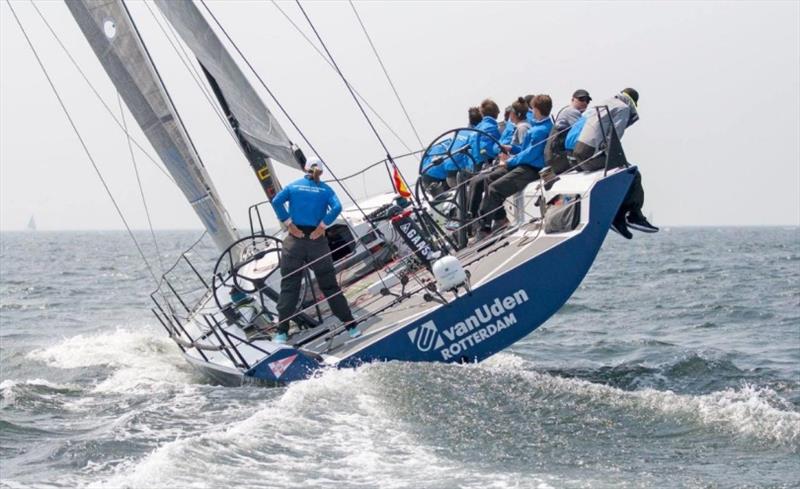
[31, 224]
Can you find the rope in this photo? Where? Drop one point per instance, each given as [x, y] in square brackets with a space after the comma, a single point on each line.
[97, 94]
[186, 60]
[83, 143]
[385, 72]
[275, 99]
[139, 183]
[291, 121]
[350, 89]
[325, 58]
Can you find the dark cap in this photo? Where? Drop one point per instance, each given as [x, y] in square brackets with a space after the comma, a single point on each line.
[580, 93]
[632, 93]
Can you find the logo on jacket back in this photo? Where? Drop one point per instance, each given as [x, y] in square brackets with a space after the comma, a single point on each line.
[486, 321]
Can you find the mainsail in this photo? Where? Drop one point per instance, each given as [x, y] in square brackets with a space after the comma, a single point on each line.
[112, 35]
[258, 131]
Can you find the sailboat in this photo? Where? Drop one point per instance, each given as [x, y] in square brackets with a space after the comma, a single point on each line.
[31, 224]
[421, 290]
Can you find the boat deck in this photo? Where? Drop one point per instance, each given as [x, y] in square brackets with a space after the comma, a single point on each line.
[484, 261]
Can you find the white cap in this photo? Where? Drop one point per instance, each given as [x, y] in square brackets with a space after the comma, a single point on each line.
[314, 161]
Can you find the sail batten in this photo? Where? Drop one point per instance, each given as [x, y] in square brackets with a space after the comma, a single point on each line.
[111, 33]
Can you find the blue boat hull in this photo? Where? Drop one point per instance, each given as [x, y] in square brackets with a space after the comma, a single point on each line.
[496, 314]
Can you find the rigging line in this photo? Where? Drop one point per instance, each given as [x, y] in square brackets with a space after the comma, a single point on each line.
[83, 143]
[284, 111]
[325, 58]
[97, 94]
[139, 182]
[385, 72]
[195, 74]
[341, 75]
[186, 60]
[297, 128]
[360, 107]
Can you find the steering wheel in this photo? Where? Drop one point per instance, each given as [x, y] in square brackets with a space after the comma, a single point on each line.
[443, 200]
[245, 265]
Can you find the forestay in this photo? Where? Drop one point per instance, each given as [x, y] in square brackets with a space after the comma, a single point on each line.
[112, 35]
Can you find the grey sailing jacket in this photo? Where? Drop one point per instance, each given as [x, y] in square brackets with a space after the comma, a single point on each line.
[623, 114]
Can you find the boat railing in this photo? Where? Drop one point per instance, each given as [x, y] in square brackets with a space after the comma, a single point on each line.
[182, 306]
[370, 180]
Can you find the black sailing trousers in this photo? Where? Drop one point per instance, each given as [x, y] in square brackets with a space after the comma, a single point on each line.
[298, 252]
[634, 199]
[505, 184]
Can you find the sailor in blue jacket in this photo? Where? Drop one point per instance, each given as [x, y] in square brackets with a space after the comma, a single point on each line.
[460, 161]
[313, 206]
[516, 172]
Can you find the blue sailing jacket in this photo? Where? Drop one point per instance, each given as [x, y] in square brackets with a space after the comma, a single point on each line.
[508, 132]
[529, 117]
[484, 148]
[309, 203]
[460, 161]
[533, 154]
[438, 172]
[573, 133]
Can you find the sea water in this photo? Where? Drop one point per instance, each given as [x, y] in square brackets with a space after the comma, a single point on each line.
[675, 364]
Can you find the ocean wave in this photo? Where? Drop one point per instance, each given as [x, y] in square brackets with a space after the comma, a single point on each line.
[749, 410]
[138, 360]
[328, 431]
[32, 393]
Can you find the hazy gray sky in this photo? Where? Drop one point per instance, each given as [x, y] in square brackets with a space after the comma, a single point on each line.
[718, 142]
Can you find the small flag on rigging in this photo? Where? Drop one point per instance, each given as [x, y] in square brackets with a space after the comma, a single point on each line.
[399, 184]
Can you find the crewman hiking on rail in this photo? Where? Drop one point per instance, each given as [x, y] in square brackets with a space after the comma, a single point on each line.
[595, 135]
[313, 206]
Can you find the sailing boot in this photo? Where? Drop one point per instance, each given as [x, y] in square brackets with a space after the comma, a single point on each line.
[620, 226]
[640, 223]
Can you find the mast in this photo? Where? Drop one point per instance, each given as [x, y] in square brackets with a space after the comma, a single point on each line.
[257, 131]
[116, 42]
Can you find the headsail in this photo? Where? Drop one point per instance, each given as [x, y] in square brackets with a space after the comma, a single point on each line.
[257, 129]
[112, 35]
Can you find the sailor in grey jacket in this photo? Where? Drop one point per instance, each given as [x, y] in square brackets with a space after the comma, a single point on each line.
[596, 131]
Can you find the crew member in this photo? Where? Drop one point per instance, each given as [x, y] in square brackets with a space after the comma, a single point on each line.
[623, 112]
[513, 144]
[313, 206]
[555, 151]
[460, 161]
[522, 168]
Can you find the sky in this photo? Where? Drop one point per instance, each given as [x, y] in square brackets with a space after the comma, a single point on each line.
[718, 142]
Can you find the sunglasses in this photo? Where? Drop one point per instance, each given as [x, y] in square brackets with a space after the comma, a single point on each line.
[585, 99]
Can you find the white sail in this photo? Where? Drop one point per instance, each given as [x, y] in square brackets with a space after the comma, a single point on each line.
[112, 35]
[31, 224]
[255, 122]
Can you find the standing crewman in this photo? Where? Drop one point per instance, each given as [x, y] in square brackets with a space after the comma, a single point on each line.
[313, 206]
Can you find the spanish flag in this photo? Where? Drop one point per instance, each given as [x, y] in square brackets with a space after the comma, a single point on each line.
[399, 184]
